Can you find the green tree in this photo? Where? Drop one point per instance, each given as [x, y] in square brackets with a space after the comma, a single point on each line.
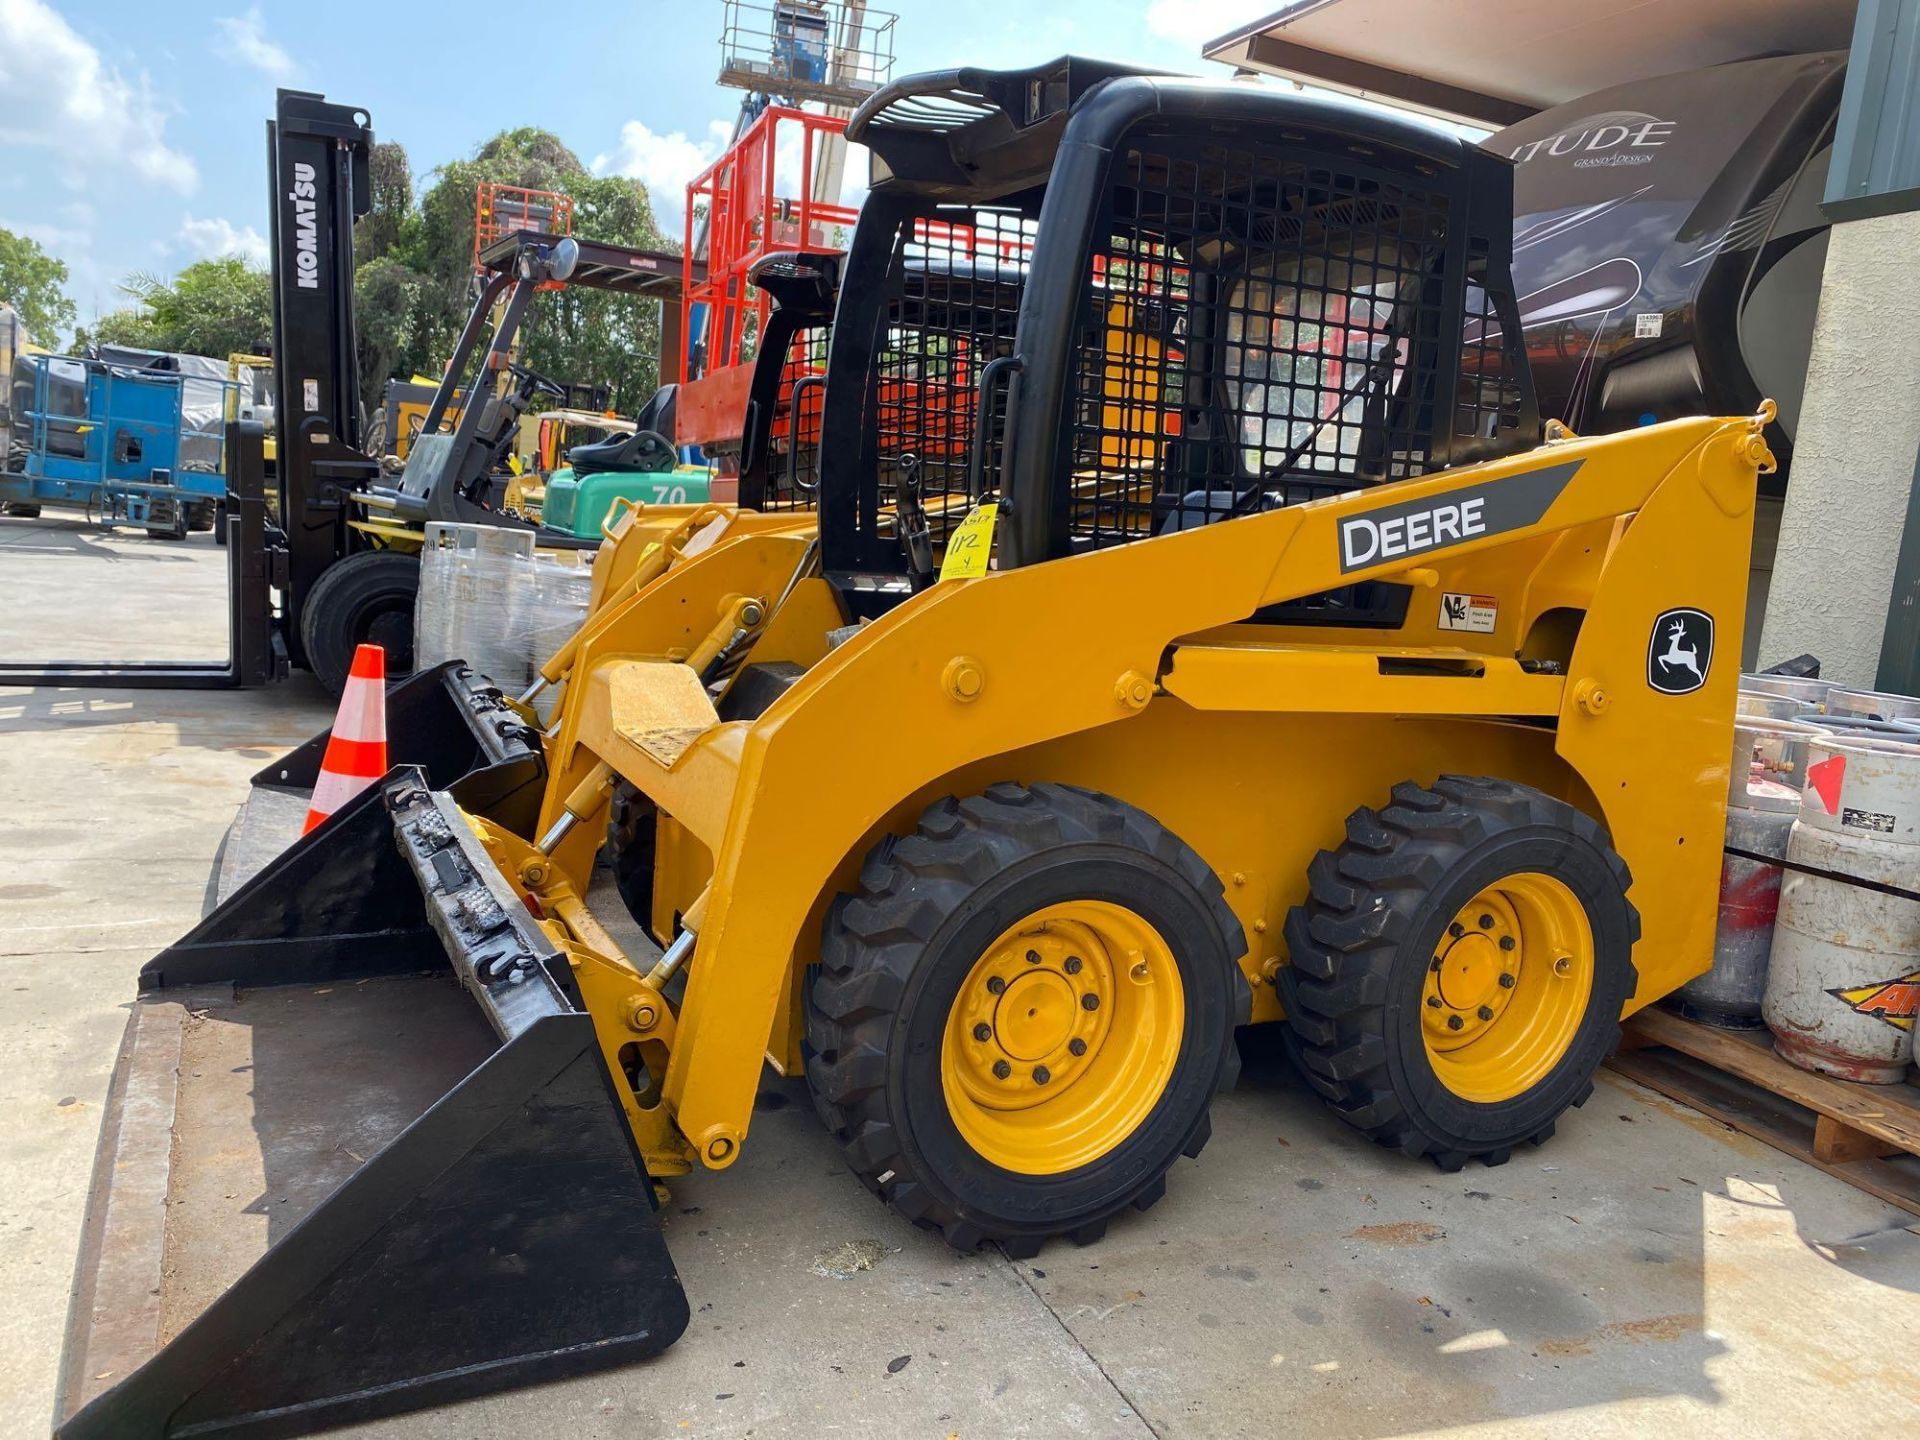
[577, 335]
[391, 225]
[31, 281]
[386, 298]
[213, 307]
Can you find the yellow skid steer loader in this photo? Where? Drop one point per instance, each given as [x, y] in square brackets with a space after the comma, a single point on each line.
[1256, 660]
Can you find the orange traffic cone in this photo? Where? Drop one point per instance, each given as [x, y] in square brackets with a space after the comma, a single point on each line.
[357, 748]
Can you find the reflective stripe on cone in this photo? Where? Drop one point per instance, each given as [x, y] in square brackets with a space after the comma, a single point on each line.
[357, 747]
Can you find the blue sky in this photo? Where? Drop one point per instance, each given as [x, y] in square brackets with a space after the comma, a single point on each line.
[134, 129]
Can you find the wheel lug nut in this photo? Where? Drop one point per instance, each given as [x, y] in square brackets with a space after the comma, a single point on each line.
[1033, 957]
[1456, 929]
[1077, 1046]
[1486, 922]
[1435, 966]
[1001, 1069]
[996, 985]
[1041, 1075]
[1506, 982]
[1454, 1022]
[1433, 1002]
[983, 1031]
[1073, 965]
[1089, 1002]
[1485, 1012]
[1507, 942]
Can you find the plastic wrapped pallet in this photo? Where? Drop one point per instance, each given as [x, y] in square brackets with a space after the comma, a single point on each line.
[471, 577]
[549, 606]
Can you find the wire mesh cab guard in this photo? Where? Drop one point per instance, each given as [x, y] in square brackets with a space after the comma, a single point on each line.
[1238, 299]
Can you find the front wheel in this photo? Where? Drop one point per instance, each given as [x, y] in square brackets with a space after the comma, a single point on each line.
[365, 599]
[1022, 1015]
[1459, 968]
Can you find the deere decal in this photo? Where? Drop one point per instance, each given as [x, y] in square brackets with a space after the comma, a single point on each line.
[1895, 1001]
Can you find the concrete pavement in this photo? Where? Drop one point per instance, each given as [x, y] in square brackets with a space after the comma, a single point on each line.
[1649, 1269]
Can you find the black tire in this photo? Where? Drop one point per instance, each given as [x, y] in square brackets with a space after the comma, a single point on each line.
[893, 958]
[175, 531]
[365, 598]
[374, 435]
[1378, 909]
[22, 511]
[220, 514]
[200, 517]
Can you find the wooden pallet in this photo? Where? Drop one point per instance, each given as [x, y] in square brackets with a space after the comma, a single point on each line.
[1867, 1135]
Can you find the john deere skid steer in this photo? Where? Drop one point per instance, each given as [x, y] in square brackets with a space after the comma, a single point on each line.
[1198, 630]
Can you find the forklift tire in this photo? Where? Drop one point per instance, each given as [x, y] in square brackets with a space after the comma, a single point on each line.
[367, 598]
[1022, 1015]
[220, 513]
[199, 518]
[1459, 968]
[22, 511]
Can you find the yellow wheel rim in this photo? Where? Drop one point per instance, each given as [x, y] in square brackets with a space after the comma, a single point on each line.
[1507, 988]
[1063, 1037]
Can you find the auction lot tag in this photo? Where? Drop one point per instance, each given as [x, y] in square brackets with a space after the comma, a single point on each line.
[971, 544]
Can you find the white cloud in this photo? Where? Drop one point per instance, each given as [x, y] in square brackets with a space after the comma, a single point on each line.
[209, 239]
[246, 41]
[1195, 22]
[56, 93]
[664, 164]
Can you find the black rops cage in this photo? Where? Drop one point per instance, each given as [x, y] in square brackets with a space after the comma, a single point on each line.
[780, 437]
[1185, 301]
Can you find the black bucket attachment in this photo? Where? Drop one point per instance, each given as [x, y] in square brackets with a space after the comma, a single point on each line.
[456, 725]
[505, 1236]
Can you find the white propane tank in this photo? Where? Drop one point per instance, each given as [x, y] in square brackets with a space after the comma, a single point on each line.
[1844, 977]
[1873, 704]
[1763, 797]
[1812, 693]
[1770, 707]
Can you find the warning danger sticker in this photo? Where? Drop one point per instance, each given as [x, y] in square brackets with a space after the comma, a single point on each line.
[1469, 612]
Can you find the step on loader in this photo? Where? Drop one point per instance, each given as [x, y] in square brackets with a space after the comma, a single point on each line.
[1199, 629]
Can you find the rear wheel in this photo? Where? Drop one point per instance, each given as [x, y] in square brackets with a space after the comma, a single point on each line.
[1458, 970]
[200, 517]
[167, 521]
[1022, 1016]
[365, 599]
[21, 510]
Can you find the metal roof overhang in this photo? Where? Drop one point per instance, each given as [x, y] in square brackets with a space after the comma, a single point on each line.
[649, 273]
[1495, 62]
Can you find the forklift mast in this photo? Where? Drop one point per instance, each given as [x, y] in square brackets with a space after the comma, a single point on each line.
[317, 164]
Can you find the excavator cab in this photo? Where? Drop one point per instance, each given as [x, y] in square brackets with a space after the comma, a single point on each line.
[1163, 425]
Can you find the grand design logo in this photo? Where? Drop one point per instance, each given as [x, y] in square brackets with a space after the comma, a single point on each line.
[1415, 527]
[1617, 137]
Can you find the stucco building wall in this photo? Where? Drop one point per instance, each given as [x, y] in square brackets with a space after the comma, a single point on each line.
[1854, 455]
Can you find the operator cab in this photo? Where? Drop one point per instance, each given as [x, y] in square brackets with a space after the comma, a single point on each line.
[1240, 299]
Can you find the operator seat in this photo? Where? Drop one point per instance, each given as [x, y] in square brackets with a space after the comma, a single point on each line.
[639, 453]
